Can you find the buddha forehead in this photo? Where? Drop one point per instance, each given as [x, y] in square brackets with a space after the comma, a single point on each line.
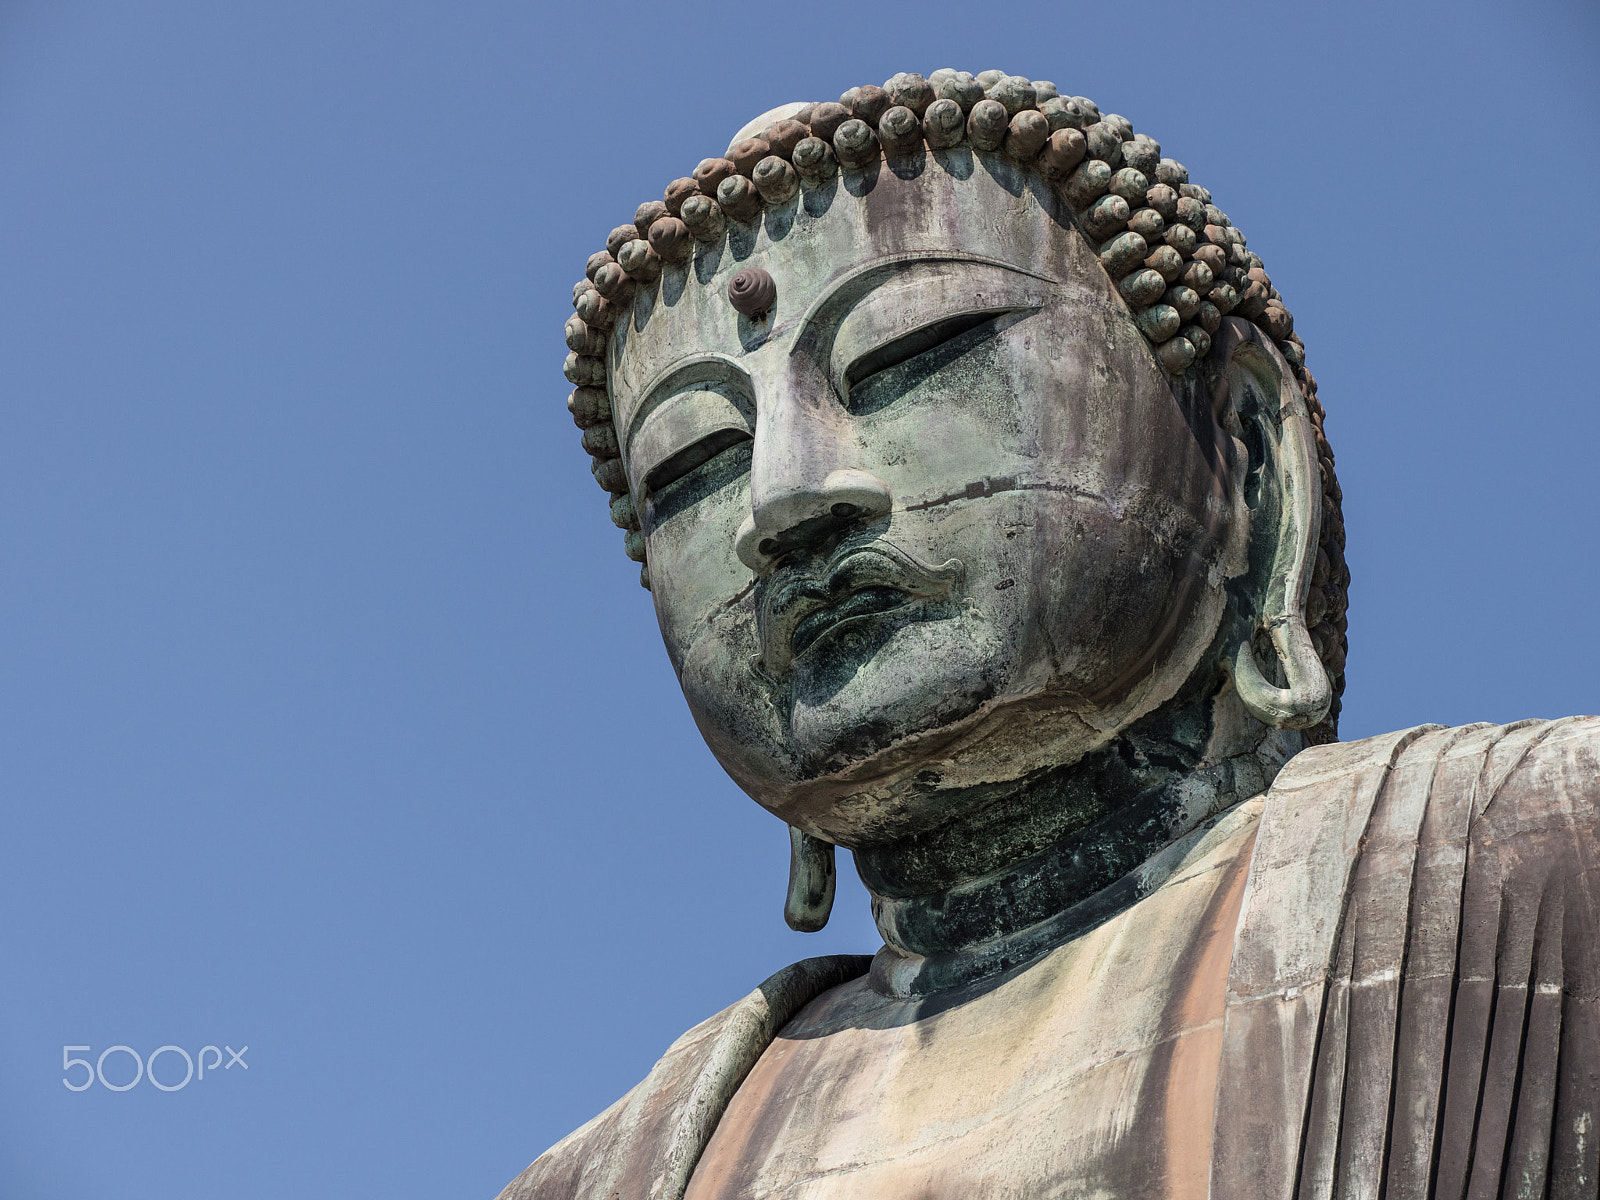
[956, 224]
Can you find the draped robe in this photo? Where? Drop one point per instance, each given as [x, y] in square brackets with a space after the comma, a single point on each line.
[1407, 1007]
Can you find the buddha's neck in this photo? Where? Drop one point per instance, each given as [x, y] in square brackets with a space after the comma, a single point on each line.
[1048, 857]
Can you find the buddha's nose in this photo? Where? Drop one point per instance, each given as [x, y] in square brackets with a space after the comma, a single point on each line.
[804, 488]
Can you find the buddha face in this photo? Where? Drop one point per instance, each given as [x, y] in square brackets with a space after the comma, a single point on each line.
[935, 519]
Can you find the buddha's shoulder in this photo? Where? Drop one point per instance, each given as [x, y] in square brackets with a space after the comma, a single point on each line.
[1389, 831]
[1526, 760]
[1435, 783]
[651, 1138]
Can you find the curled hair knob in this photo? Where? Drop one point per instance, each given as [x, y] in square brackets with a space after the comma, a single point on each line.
[752, 291]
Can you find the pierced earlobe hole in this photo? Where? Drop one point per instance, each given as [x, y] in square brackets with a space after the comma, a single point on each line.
[845, 511]
[768, 546]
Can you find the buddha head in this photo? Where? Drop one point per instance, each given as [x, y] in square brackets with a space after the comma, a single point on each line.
[957, 433]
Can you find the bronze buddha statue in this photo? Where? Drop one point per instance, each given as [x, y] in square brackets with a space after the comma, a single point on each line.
[974, 467]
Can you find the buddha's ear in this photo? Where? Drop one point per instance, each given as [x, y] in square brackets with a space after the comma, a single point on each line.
[811, 882]
[1255, 395]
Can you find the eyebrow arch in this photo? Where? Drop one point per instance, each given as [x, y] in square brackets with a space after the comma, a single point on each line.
[820, 304]
[701, 368]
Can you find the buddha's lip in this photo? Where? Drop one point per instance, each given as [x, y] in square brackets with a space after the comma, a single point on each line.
[797, 607]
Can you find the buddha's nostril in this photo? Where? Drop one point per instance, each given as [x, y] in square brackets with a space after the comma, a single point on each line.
[845, 511]
[768, 546]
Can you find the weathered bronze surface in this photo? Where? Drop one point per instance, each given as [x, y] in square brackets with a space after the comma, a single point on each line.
[982, 491]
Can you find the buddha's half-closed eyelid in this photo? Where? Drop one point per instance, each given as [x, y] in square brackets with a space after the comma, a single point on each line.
[679, 464]
[919, 341]
[681, 433]
[923, 296]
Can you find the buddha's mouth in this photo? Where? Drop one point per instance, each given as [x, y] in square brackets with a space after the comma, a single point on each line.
[796, 608]
[864, 603]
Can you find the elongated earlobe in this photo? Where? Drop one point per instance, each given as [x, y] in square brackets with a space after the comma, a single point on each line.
[1305, 701]
[1255, 382]
[811, 882]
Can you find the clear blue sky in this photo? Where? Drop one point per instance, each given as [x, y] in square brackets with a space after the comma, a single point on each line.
[332, 718]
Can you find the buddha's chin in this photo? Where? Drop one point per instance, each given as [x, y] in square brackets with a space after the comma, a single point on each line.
[882, 681]
[859, 714]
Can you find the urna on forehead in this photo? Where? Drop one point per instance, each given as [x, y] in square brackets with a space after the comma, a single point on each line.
[1171, 258]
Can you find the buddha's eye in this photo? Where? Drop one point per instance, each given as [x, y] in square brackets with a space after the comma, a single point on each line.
[690, 457]
[882, 375]
[689, 446]
[702, 469]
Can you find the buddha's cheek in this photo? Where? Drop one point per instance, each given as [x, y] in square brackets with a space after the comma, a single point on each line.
[696, 580]
[736, 707]
[1114, 594]
[1064, 594]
